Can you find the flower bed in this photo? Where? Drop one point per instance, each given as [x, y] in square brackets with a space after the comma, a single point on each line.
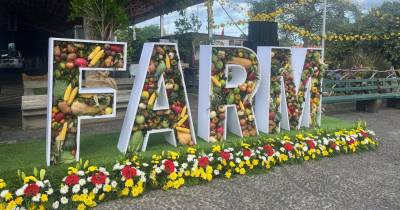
[87, 185]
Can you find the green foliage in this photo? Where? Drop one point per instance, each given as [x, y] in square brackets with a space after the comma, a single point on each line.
[186, 23]
[101, 17]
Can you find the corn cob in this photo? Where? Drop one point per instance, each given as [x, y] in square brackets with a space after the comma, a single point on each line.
[167, 62]
[183, 130]
[152, 99]
[67, 92]
[183, 111]
[96, 58]
[72, 96]
[94, 52]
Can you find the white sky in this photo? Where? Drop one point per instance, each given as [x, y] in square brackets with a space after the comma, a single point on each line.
[221, 17]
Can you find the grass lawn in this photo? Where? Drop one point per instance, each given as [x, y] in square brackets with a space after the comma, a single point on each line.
[102, 150]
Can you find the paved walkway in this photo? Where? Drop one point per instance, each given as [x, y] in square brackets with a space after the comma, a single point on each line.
[369, 180]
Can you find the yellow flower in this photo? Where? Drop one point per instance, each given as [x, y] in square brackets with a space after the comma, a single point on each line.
[228, 174]
[41, 207]
[306, 158]
[75, 198]
[231, 164]
[18, 201]
[72, 170]
[245, 145]
[219, 167]
[107, 188]
[187, 173]
[129, 183]
[81, 207]
[173, 176]
[216, 148]
[325, 153]
[2, 184]
[125, 191]
[92, 168]
[255, 162]
[44, 198]
[173, 155]
[29, 178]
[242, 171]
[101, 197]
[8, 196]
[191, 150]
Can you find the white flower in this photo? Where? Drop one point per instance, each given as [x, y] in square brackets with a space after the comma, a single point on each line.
[19, 192]
[56, 205]
[116, 167]
[184, 165]
[64, 200]
[36, 198]
[190, 158]
[40, 184]
[238, 160]
[143, 179]
[76, 188]
[145, 164]
[3, 193]
[216, 172]
[95, 190]
[158, 170]
[85, 191]
[50, 191]
[64, 189]
[305, 148]
[80, 173]
[82, 182]
[211, 159]
[114, 184]
[282, 149]
[107, 180]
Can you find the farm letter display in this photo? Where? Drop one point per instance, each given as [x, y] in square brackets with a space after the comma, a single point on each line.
[228, 81]
[290, 93]
[71, 100]
[158, 101]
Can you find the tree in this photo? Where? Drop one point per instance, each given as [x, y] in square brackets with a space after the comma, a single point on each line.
[101, 18]
[308, 16]
[186, 24]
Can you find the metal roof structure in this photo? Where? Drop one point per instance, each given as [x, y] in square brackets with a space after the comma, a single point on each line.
[51, 16]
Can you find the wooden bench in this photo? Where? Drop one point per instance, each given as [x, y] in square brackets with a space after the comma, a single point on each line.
[367, 93]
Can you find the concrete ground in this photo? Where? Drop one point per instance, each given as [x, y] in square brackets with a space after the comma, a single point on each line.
[369, 180]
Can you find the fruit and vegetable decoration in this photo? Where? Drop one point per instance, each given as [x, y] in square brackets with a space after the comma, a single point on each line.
[163, 65]
[67, 102]
[314, 67]
[240, 96]
[281, 67]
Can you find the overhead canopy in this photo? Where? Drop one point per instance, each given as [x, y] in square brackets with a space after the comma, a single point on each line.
[51, 16]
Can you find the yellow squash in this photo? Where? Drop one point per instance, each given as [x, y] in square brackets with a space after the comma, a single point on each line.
[63, 132]
[96, 58]
[72, 96]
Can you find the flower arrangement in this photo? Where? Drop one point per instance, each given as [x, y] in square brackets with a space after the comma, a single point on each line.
[86, 185]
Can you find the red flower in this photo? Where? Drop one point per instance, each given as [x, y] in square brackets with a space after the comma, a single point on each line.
[31, 190]
[332, 144]
[269, 150]
[364, 134]
[225, 155]
[72, 180]
[99, 178]
[128, 172]
[169, 166]
[351, 141]
[310, 144]
[288, 146]
[203, 162]
[246, 153]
